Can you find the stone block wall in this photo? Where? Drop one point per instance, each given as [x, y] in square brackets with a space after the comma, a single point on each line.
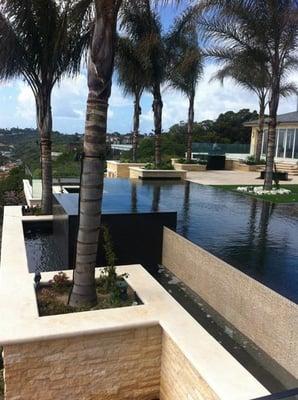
[189, 167]
[133, 173]
[111, 366]
[120, 170]
[238, 166]
[179, 380]
[265, 317]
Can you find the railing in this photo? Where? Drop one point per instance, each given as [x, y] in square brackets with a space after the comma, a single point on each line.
[291, 394]
[220, 148]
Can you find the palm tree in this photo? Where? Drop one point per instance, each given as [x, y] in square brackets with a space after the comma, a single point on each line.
[100, 71]
[267, 30]
[185, 67]
[40, 44]
[250, 75]
[131, 76]
[143, 26]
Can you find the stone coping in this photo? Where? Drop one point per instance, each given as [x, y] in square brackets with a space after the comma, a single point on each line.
[20, 321]
[115, 162]
[37, 218]
[142, 173]
[165, 171]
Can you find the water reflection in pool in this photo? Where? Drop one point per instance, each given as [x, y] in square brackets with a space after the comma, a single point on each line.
[259, 238]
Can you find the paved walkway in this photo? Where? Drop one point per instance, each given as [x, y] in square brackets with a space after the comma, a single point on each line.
[231, 178]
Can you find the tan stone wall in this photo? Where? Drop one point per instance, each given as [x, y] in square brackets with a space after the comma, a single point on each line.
[179, 380]
[111, 366]
[133, 173]
[189, 167]
[229, 165]
[238, 166]
[156, 174]
[120, 170]
[265, 317]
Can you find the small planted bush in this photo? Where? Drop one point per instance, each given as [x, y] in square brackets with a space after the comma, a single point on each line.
[112, 289]
[251, 160]
[192, 161]
[163, 165]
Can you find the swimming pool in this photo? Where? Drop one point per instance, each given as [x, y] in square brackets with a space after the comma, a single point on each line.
[258, 238]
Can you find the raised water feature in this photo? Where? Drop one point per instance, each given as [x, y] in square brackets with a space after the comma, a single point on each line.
[257, 237]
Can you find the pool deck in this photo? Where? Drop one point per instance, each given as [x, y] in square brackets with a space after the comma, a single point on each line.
[231, 178]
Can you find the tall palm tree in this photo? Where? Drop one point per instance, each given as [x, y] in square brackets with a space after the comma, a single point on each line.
[100, 71]
[266, 29]
[250, 75]
[143, 26]
[131, 76]
[185, 67]
[39, 43]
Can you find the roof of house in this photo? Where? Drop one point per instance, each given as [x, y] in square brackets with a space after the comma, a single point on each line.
[288, 118]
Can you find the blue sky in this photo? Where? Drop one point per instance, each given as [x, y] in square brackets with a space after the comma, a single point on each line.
[17, 108]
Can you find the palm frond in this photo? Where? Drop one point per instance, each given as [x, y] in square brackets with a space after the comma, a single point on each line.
[185, 59]
[47, 39]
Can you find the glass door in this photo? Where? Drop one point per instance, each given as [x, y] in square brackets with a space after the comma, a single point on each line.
[264, 142]
[290, 143]
[296, 145]
[280, 149]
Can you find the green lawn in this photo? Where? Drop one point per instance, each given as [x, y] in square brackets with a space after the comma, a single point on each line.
[285, 198]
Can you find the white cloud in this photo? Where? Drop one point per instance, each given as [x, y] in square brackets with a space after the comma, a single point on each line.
[25, 103]
[69, 104]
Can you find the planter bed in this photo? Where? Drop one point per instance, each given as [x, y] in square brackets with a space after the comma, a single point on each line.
[52, 297]
[282, 176]
[240, 166]
[145, 352]
[141, 173]
[190, 167]
[117, 169]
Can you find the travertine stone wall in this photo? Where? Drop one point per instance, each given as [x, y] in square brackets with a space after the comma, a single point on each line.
[189, 167]
[265, 317]
[238, 166]
[120, 170]
[111, 366]
[179, 380]
[133, 174]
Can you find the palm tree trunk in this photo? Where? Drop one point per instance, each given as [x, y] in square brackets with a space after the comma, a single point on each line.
[190, 127]
[136, 125]
[45, 124]
[100, 71]
[157, 112]
[261, 129]
[273, 106]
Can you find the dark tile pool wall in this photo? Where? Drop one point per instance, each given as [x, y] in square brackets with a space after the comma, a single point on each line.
[136, 237]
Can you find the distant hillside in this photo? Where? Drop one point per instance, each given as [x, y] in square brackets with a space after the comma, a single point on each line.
[25, 144]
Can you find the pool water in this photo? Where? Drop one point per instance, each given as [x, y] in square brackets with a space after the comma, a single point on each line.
[40, 249]
[258, 238]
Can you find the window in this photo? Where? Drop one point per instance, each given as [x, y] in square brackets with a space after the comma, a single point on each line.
[264, 142]
[290, 143]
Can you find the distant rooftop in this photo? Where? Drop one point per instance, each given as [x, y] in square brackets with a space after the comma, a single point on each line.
[288, 118]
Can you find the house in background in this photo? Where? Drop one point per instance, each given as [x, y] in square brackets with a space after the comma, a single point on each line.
[286, 152]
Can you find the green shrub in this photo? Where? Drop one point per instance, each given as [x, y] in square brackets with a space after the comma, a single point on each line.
[192, 161]
[251, 160]
[163, 165]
